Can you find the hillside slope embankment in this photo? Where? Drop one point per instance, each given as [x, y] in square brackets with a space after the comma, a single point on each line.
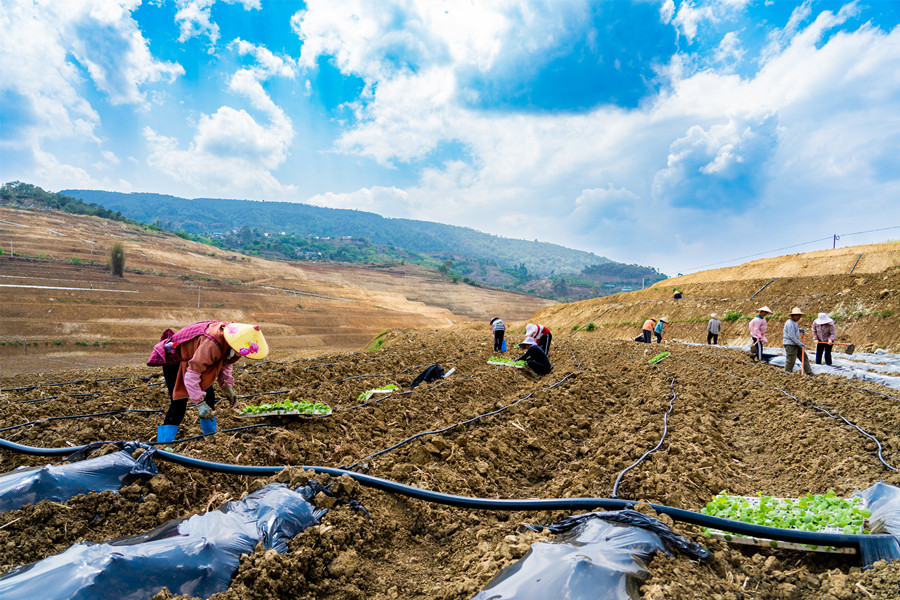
[865, 304]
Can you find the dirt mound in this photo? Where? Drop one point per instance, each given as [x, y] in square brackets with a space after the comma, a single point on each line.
[734, 426]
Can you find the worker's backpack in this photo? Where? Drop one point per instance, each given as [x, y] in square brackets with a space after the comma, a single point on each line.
[432, 373]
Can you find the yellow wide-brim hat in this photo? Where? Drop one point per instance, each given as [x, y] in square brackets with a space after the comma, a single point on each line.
[247, 340]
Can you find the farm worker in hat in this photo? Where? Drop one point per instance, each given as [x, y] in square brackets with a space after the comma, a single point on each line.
[712, 330]
[499, 329]
[196, 356]
[541, 336]
[793, 344]
[535, 357]
[646, 330]
[824, 333]
[660, 329]
[758, 328]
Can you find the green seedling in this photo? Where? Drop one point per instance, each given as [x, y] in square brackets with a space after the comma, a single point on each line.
[658, 357]
[289, 407]
[382, 390]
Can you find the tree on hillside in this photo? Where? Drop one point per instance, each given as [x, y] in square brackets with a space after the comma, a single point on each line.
[117, 259]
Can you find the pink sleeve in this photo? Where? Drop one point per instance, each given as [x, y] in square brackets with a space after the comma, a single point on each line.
[225, 376]
[192, 385]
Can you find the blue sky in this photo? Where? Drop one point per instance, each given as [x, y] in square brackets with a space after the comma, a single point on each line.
[666, 133]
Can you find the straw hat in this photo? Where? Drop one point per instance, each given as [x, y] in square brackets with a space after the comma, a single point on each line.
[714, 316]
[529, 341]
[765, 309]
[823, 319]
[664, 319]
[796, 311]
[247, 340]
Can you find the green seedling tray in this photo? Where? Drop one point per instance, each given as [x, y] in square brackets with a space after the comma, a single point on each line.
[753, 503]
[504, 364]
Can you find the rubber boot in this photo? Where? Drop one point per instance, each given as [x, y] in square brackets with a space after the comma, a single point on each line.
[208, 426]
[166, 433]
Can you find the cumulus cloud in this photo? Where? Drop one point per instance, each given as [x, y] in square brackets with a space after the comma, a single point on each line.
[231, 151]
[45, 46]
[597, 209]
[194, 18]
[386, 201]
[722, 167]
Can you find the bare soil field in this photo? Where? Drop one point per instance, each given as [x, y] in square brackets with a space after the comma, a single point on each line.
[735, 425]
[585, 430]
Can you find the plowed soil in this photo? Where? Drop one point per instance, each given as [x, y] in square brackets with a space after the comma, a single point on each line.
[734, 425]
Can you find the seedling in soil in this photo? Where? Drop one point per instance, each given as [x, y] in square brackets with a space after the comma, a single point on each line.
[382, 390]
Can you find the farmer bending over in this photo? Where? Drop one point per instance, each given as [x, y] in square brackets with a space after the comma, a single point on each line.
[499, 329]
[535, 357]
[646, 331]
[541, 336]
[196, 356]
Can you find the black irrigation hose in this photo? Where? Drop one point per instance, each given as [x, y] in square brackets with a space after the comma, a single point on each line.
[102, 414]
[763, 287]
[856, 263]
[655, 448]
[60, 396]
[461, 423]
[802, 403]
[468, 502]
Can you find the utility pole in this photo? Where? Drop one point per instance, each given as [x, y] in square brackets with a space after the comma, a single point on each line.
[198, 295]
[299, 304]
[834, 243]
[92, 246]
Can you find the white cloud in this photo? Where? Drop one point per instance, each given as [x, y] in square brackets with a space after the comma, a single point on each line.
[231, 152]
[194, 18]
[388, 202]
[45, 43]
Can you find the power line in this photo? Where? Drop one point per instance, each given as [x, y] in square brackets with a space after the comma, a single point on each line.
[839, 235]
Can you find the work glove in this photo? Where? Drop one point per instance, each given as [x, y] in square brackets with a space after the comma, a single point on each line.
[206, 412]
[228, 391]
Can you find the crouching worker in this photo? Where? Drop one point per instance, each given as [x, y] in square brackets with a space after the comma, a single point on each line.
[192, 359]
[646, 331]
[535, 357]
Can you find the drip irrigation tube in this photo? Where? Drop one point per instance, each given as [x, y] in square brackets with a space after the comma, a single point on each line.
[763, 287]
[102, 414]
[468, 502]
[655, 448]
[802, 403]
[856, 263]
[461, 423]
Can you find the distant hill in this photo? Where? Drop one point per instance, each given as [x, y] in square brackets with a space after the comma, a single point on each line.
[205, 216]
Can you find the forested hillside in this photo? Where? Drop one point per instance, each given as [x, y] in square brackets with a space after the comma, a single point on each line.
[298, 232]
[206, 216]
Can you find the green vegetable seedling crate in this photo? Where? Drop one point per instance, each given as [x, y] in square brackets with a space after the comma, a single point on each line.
[821, 513]
[506, 362]
[287, 408]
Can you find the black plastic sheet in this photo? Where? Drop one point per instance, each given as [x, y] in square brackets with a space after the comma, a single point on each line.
[195, 556]
[596, 555]
[58, 483]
